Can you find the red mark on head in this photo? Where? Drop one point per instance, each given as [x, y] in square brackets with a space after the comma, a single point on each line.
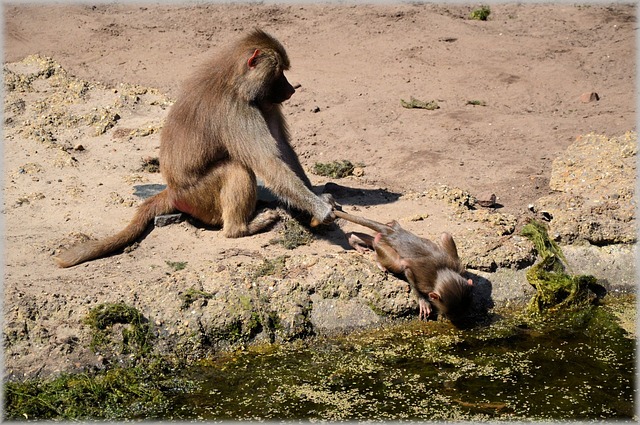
[252, 60]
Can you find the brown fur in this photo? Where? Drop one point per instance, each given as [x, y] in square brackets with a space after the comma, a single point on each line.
[433, 270]
[225, 128]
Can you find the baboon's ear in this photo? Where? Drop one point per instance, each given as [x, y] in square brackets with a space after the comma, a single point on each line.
[253, 59]
[434, 296]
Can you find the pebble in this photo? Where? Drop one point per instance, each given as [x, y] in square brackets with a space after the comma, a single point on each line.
[589, 97]
[487, 200]
[358, 171]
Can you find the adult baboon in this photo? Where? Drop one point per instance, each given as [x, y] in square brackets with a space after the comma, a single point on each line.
[225, 128]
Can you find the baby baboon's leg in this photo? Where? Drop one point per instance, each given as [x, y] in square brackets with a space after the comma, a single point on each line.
[387, 257]
[361, 242]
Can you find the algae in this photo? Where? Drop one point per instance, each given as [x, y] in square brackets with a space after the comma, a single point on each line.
[555, 289]
[120, 393]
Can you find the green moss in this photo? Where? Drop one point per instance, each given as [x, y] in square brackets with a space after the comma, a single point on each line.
[242, 327]
[239, 330]
[136, 334]
[270, 267]
[377, 310]
[176, 265]
[245, 302]
[292, 234]
[481, 14]
[192, 294]
[419, 104]
[335, 169]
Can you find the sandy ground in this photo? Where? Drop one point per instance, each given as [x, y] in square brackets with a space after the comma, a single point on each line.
[528, 65]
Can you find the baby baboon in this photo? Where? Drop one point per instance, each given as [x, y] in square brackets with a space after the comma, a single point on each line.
[433, 270]
[225, 129]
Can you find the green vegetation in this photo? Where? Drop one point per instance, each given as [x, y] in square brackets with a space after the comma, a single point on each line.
[480, 14]
[270, 267]
[293, 234]
[177, 265]
[555, 288]
[135, 388]
[476, 102]
[122, 393]
[192, 294]
[335, 169]
[419, 104]
[136, 335]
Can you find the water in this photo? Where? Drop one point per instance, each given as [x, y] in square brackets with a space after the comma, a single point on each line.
[579, 366]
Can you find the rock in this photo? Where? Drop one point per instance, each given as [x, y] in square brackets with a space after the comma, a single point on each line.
[336, 314]
[487, 200]
[418, 217]
[589, 97]
[167, 219]
[358, 171]
[594, 180]
[145, 191]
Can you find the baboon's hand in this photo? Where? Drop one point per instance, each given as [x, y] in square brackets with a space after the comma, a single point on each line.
[324, 214]
[327, 197]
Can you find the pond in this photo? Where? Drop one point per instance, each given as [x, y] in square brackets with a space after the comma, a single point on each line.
[576, 366]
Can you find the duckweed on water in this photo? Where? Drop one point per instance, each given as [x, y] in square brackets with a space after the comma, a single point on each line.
[573, 365]
[579, 366]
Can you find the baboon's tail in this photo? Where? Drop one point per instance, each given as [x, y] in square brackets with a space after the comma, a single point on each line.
[156, 205]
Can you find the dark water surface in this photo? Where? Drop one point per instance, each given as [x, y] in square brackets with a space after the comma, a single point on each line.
[580, 366]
